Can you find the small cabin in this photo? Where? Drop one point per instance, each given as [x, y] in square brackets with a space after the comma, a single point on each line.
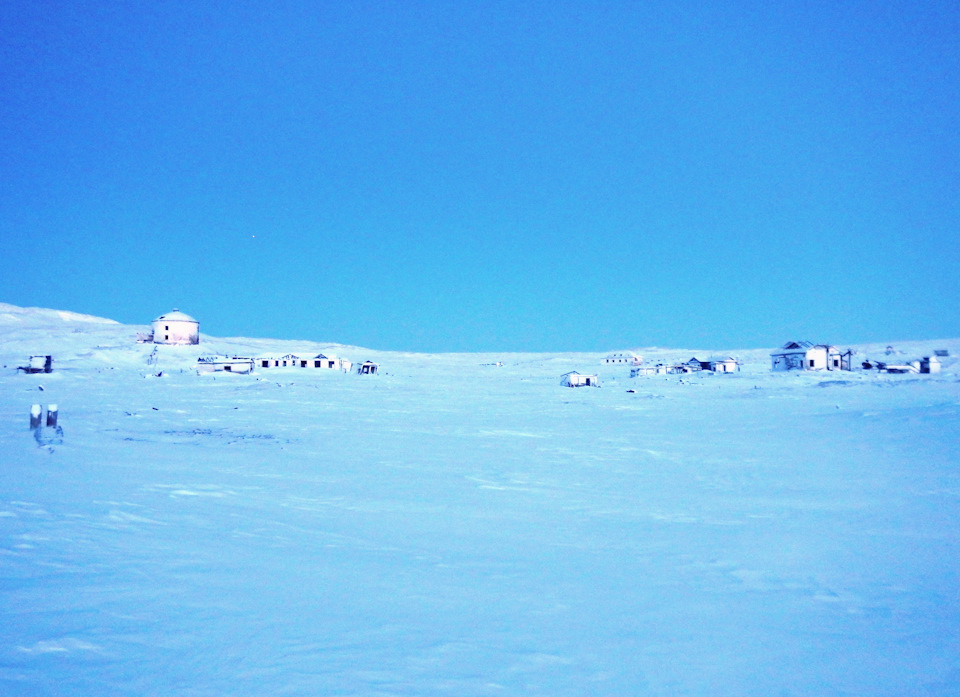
[176, 328]
[929, 364]
[575, 379]
[367, 368]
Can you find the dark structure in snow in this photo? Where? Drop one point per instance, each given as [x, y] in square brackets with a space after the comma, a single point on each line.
[38, 364]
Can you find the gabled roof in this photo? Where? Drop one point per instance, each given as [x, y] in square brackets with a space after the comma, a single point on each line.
[798, 345]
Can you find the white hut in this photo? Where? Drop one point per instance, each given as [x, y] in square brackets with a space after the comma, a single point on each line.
[575, 379]
[802, 355]
[331, 363]
[727, 364]
[367, 368]
[176, 328]
[929, 364]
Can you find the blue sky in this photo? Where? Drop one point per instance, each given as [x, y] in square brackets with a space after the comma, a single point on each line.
[496, 176]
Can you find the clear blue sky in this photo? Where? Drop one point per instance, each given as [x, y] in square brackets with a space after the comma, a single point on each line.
[472, 176]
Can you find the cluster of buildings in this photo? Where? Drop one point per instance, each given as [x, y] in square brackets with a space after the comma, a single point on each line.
[726, 364]
[803, 355]
[180, 329]
[239, 364]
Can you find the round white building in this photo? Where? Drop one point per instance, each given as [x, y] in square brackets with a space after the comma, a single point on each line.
[176, 328]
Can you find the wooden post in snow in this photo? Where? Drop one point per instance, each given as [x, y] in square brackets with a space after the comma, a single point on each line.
[35, 411]
[52, 411]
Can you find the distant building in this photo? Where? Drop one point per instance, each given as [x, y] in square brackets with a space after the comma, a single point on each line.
[367, 368]
[575, 379]
[803, 355]
[728, 364]
[331, 363]
[289, 361]
[929, 364]
[292, 360]
[176, 328]
[38, 364]
[213, 364]
[623, 359]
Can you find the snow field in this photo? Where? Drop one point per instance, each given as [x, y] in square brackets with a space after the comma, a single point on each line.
[451, 528]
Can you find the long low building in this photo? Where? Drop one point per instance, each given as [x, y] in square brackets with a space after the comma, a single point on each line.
[291, 360]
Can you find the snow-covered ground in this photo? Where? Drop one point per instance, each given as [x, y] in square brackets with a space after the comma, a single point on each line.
[450, 527]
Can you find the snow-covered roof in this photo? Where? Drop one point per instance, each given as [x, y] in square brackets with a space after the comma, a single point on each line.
[176, 316]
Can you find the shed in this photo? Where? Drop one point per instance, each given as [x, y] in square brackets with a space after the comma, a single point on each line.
[367, 368]
[176, 328]
[575, 379]
[929, 364]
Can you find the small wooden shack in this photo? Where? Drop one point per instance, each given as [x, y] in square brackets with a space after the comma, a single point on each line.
[575, 379]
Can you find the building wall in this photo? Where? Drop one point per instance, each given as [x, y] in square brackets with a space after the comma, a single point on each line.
[175, 332]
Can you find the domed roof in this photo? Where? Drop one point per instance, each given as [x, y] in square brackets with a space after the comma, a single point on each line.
[176, 316]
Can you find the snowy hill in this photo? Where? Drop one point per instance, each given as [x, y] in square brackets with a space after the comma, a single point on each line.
[454, 527]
